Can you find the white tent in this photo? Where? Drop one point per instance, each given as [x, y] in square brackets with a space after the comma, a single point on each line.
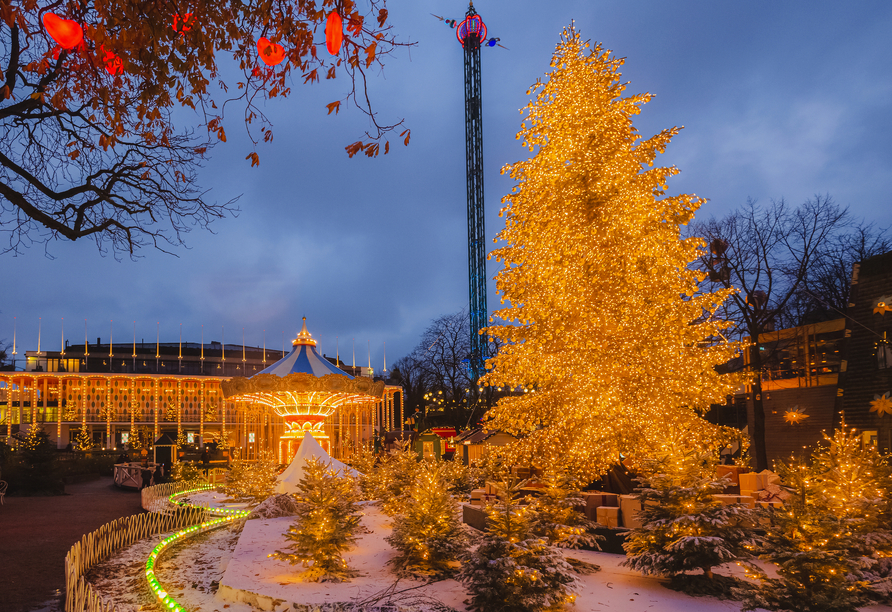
[288, 480]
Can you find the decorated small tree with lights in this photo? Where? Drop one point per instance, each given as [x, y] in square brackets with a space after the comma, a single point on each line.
[427, 533]
[252, 481]
[832, 537]
[686, 529]
[391, 480]
[84, 439]
[557, 515]
[609, 325]
[513, 570]
[38, 461]
[185, 471]
[327, 517]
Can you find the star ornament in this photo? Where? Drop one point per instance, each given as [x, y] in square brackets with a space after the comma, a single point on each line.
[881, 404]
[795, 415]
[883, 306]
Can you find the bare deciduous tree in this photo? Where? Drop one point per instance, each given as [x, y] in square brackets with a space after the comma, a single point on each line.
[768, 253]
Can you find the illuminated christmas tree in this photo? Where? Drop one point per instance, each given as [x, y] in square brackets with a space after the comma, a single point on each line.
[832, 538]
[325, 526]
[558, 518]
[184, 471]
[685, 528]
[427, 532]
[610, 332]
[513, 570]
[84, 439]
[252, 481]
[36, 447]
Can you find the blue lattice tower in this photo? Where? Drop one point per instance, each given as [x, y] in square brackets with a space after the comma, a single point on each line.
[471, 33]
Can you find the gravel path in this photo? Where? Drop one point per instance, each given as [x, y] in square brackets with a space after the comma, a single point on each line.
[37, 532]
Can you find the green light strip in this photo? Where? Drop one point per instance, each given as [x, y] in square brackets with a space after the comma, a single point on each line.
[230, 515]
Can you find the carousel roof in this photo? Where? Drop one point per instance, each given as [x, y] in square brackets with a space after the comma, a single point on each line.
[303, 358]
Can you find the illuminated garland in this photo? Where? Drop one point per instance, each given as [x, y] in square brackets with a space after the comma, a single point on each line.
[604, 314]
[229, 515]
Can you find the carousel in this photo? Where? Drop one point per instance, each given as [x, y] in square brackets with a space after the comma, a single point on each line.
[313, 396]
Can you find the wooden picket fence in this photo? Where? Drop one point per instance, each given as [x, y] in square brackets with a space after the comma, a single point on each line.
[154, 499]
[95, 547]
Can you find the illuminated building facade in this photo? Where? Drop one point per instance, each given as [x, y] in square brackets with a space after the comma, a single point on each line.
[175, 388]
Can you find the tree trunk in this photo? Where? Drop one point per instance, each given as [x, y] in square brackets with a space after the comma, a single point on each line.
[760, 454]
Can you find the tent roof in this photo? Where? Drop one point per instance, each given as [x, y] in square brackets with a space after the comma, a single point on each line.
[304, 358]
[288, 480]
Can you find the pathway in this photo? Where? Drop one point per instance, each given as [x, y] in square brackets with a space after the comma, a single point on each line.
[37, 532]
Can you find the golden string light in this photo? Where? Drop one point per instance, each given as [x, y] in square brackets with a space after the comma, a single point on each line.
[606, 318]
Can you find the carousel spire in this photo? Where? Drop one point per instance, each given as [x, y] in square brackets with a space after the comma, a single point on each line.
[304, 336]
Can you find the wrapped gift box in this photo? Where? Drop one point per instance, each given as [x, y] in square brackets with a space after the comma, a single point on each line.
[630, 506]
[769, 505]
[608, 516]
[478, 493]
[595, 499]
[769, 478]
[746, 500]
[732, 472]
[752, 481]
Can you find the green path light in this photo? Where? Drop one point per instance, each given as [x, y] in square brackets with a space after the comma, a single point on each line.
[228, 515]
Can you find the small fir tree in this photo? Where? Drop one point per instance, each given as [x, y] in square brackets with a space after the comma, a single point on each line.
[36, 447]
[252, 481]
[684, 528]
[141, 437]
[558, 515]
[84, 439]
[427, 532]
[832, 538]
[461, 478]
[513, 570]
[327, 517]
[395, 476]
[38, 455]
[184, 471]
[608, 324]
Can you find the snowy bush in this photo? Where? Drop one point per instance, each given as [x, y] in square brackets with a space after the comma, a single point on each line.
[685, 528]
[512, 570]
[275, 506]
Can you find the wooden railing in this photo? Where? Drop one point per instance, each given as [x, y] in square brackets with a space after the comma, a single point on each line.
[96, 547]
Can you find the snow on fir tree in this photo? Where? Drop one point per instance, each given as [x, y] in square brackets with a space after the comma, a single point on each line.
[512, 569]
[608, 325]
[558, 516]
[427, 532]
[252, 481]
[327, 517]
[685, 528]
[832, 539]
[391, 479]
[185, 471]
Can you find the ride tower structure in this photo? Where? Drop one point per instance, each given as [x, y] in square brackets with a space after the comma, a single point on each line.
[471, 33]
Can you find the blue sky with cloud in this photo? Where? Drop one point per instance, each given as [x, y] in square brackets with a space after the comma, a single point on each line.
[777, 100]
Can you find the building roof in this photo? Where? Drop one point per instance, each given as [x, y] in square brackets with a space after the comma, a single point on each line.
[476, 436]
[304, 358]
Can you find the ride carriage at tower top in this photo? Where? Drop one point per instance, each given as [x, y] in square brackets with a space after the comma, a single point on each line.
[312, 395]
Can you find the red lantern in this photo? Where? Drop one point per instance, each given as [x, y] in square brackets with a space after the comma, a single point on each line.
[271, 53]
[334, 33]
[66, 32]
[183, 24]
[113, 63]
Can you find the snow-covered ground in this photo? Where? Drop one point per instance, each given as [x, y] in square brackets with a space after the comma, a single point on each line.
[220, 570]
